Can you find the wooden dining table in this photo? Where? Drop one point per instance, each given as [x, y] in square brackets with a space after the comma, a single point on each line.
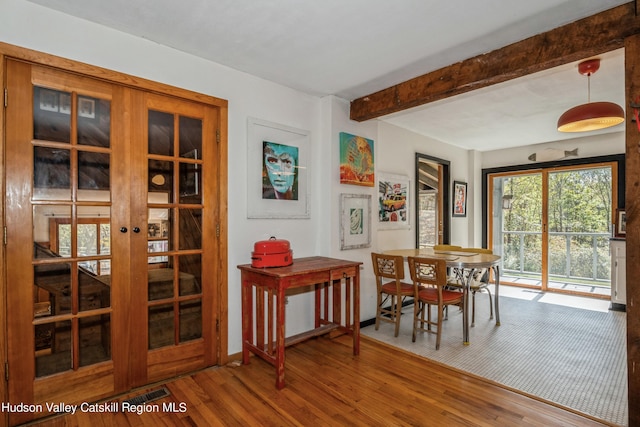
[467, 262]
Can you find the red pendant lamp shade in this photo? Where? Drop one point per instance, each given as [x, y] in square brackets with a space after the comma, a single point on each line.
[592, 115]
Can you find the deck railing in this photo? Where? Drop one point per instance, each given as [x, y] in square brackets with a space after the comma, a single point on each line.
[572, 255]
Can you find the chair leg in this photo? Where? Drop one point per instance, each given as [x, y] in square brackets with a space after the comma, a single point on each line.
[379, 311]
[398, 308]
[490, 304]
[417, 309]
[439, 331]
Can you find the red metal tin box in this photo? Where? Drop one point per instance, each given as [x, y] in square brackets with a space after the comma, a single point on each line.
[271, 253]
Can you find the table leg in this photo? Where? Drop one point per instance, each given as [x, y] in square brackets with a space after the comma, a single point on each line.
[497, 293]
[336, 286]
[247, 319]
[318, 307]
[280, 331]
[465, 312]
[356, 313]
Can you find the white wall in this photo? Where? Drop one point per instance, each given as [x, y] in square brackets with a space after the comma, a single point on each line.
[28, 25]
[588, 146]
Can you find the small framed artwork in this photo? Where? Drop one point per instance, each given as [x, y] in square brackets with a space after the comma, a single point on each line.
[65, 103]
[394, 201]
[621, 223]
[356, 160]
[48, 100]
[459, 198]
[86, 107]
[355, 221]
[154, 230]
[277, 171]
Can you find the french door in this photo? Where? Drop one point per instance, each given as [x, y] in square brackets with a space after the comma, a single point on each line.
[552, 227]
[109, 196]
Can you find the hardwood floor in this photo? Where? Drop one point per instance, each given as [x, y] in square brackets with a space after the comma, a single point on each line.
[327, 385]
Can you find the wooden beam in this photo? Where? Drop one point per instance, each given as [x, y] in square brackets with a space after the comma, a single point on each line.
[590, 36]
[632, 206]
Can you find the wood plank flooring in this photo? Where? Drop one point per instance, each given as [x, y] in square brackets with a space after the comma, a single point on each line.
[328, 386]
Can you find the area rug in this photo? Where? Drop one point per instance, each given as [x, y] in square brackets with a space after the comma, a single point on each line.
[573, 357]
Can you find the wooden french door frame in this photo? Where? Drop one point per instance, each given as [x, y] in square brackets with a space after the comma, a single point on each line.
[544, 172]
[217, 303]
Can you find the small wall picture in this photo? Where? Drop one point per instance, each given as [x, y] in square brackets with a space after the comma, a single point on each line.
[355, 221]
[621, 223]
[48, 100]
[393, 201]
[459, 198]
[86, 107]
[356, 160]
[65, 103]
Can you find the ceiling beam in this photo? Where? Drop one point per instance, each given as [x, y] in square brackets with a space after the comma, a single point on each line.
[581, 39]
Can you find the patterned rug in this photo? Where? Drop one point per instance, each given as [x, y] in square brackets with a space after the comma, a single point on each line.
[573, 357]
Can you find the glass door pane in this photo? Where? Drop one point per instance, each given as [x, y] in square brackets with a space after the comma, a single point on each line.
[71, 233]
[517, 227]
[580, 203]
[174, 229]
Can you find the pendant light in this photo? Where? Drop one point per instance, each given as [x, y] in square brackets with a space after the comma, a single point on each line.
[592, 115]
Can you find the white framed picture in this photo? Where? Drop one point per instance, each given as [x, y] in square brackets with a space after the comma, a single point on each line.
[86, 107]
[355, 221]
[394, 201]
[277, 171]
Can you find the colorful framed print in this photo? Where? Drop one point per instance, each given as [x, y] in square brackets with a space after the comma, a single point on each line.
[459, 198]
[356, 160]
[277, 170]
[394, 201]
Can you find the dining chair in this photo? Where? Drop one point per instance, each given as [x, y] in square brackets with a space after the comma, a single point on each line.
[389, 272]
[429, 276]
[479, 282]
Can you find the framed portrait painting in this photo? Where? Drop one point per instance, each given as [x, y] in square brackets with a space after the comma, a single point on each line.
[355, 221]
[394, 201]
[277, 170]
[459, 198]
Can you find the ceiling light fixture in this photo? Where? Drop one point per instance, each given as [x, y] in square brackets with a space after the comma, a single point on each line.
[592, 115]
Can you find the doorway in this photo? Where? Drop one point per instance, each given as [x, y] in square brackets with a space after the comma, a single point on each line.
[552, 227]
[432, 196]
[109, 192]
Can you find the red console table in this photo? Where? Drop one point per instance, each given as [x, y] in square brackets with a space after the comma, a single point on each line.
[264, 292]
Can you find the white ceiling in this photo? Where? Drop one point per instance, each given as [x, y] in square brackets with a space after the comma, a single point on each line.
[352, 48]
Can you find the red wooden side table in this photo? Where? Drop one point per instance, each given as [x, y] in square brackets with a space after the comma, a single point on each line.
[264, 292]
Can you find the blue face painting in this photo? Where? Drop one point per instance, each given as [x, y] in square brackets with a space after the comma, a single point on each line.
[280, 162]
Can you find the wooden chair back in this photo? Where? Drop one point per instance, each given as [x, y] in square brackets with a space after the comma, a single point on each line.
[387, 267]
[428, 272]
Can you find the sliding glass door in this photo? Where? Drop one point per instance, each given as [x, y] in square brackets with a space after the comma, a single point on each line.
[552, 227]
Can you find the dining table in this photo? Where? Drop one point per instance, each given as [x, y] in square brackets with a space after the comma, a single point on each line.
[467, 263]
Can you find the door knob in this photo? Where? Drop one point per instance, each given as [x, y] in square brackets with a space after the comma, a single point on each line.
[136, 229]
[123, 229]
